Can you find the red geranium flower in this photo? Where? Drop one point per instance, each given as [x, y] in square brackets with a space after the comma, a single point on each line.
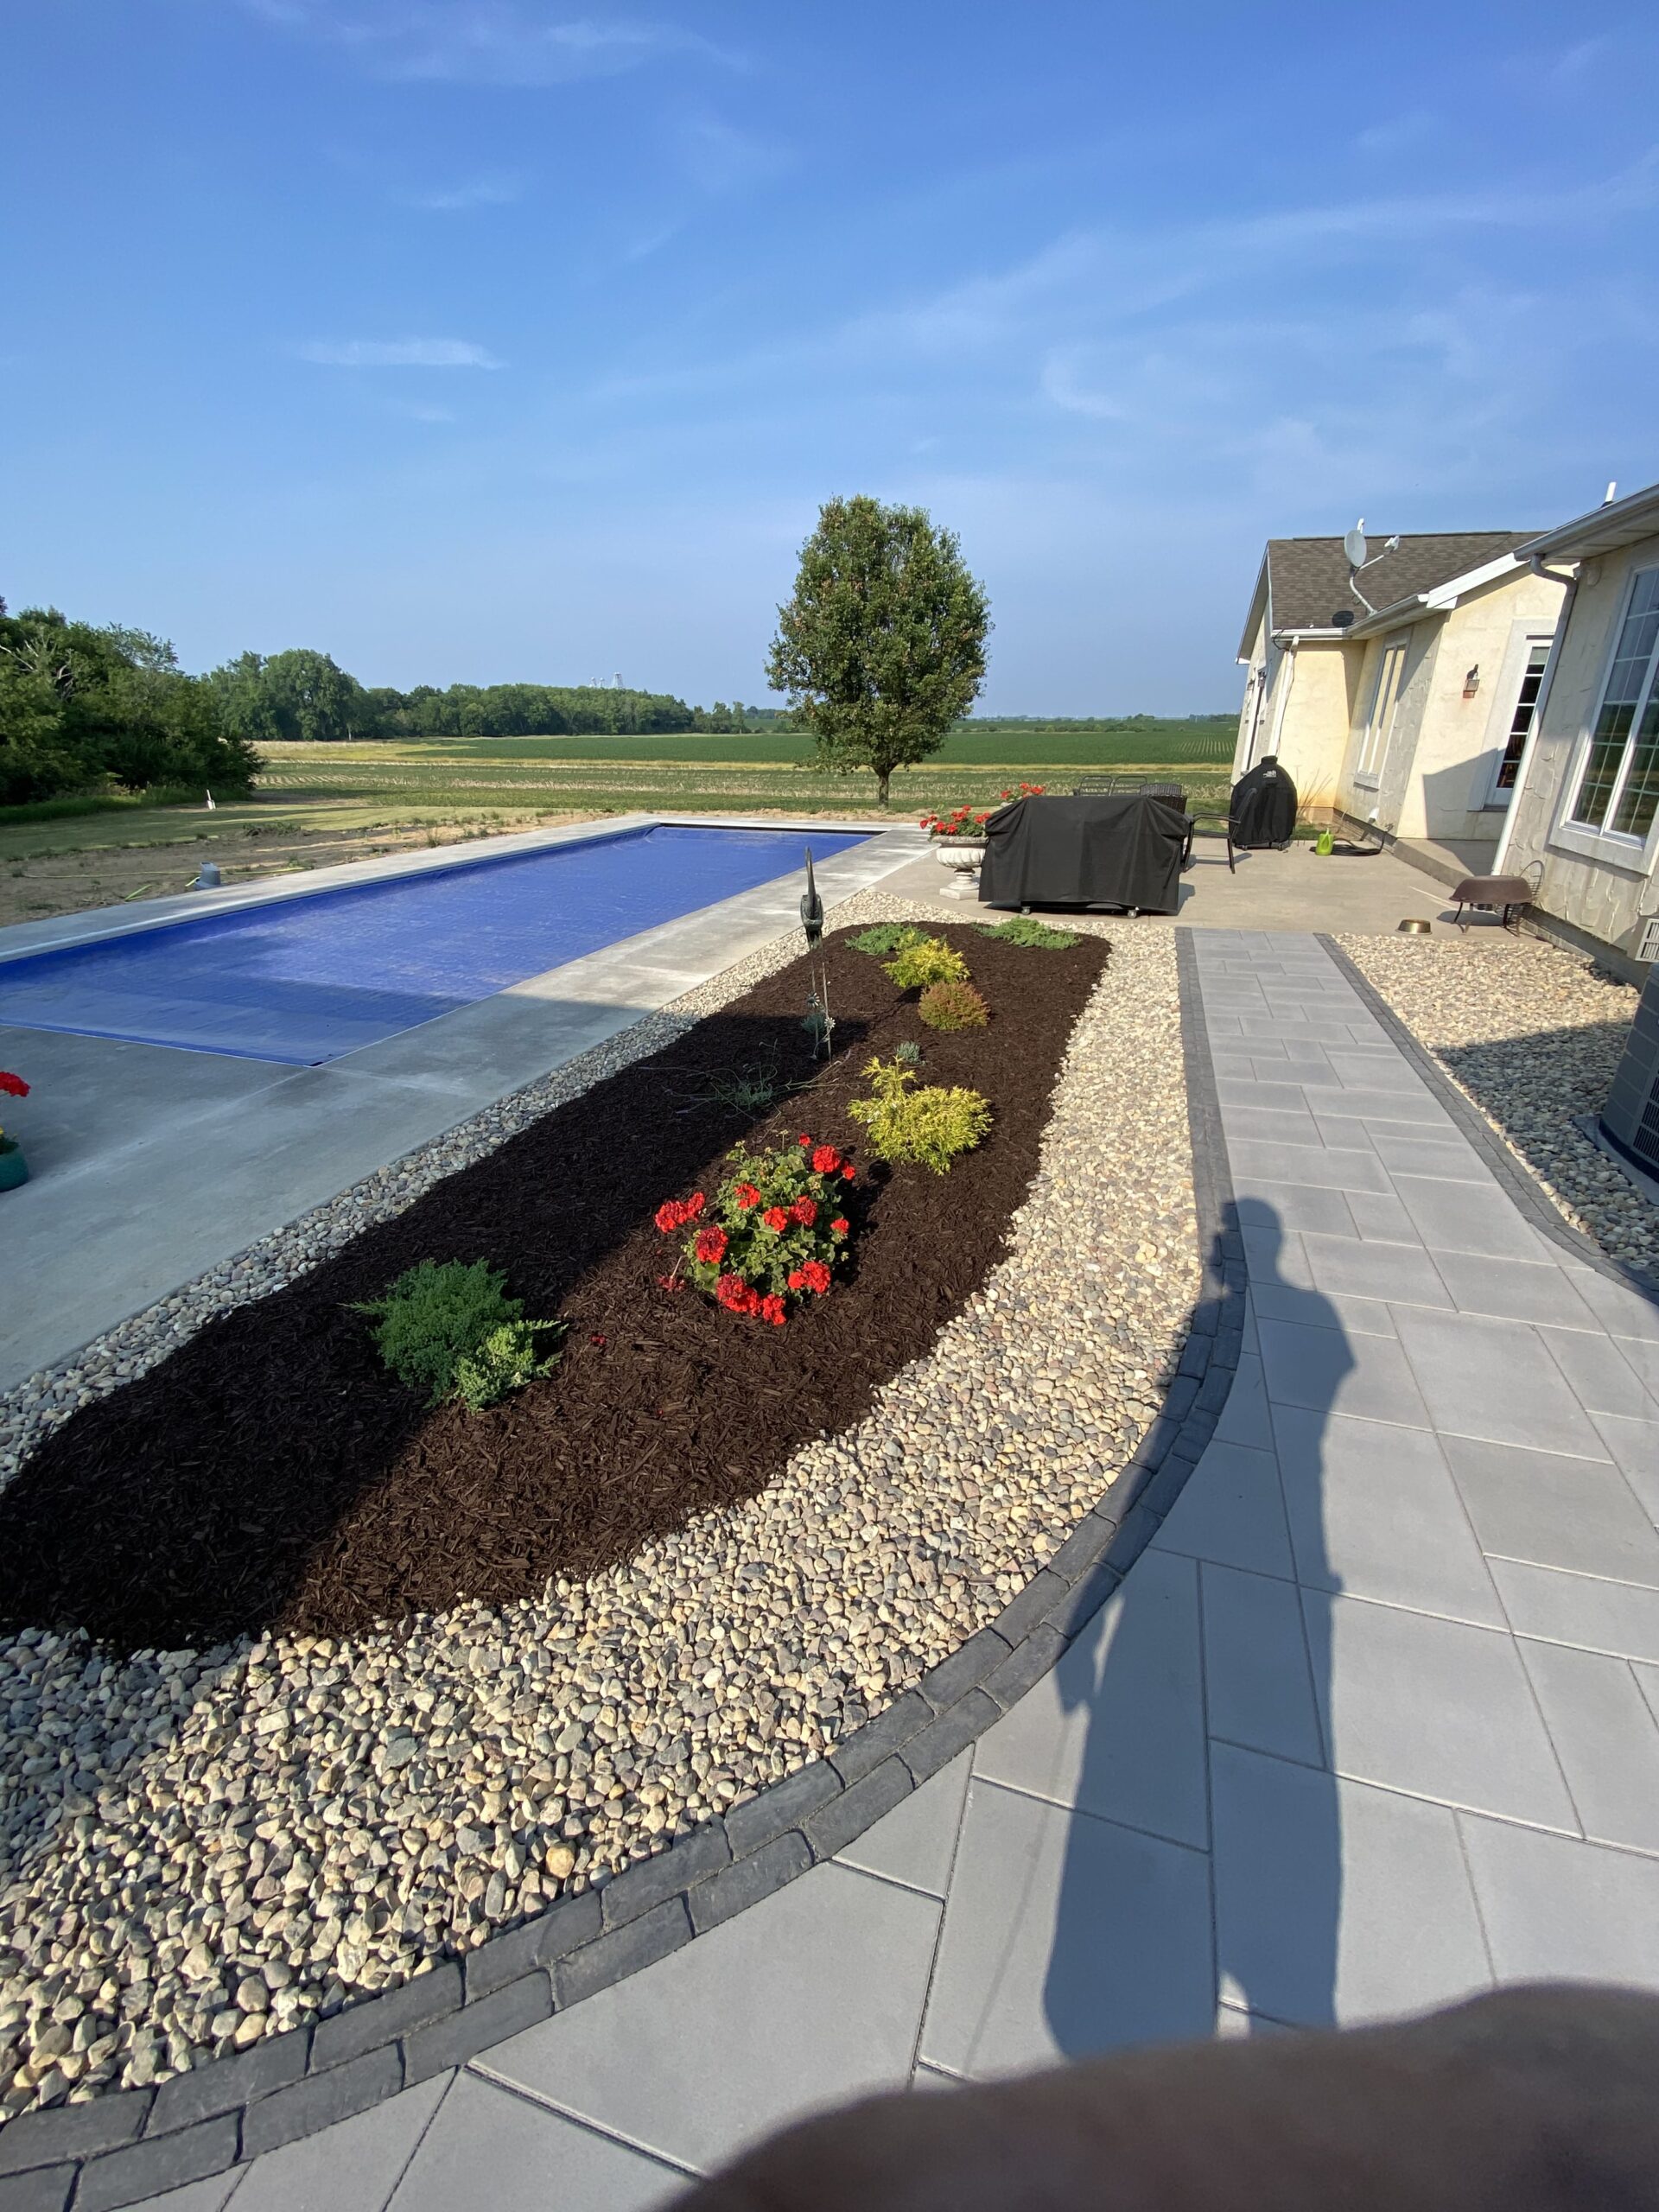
[840, 1225]
[804, 1139]
[776, 1219]
[847, 1171]
[805, 1211]
[747, 1195]
[668, 1215]
[796, 1279]
[14, 1087]
[733, 1293]
[771, 1309]
[825, 1159]
[815, 1276]
[710, 1246]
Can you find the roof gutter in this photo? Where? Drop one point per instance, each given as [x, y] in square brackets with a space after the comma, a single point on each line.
[1568, 576]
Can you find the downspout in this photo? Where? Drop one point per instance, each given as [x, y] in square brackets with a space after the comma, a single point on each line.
[1289, 651]
[1513, 816]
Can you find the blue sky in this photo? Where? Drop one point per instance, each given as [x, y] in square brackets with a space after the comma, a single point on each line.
[472, 340]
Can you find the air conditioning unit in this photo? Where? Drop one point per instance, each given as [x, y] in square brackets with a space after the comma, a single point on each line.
[1629, 1119]
[1647, 945]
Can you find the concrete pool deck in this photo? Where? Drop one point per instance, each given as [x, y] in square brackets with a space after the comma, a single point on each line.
[151, 1164]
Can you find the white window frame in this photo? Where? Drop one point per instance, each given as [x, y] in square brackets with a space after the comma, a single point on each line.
[1619, 847]
[1375, 738]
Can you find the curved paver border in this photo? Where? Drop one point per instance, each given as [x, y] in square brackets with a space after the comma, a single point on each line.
[1519, 1184]
[132, 2143]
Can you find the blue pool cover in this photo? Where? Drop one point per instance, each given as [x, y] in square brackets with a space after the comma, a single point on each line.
[305, 979]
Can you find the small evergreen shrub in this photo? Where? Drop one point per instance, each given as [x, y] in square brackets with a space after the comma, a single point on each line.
[452, 1329]
[1025, 929]
[908, 1054]
[933, 961]
[887, 938]
[931, 1127]
[953, 1006]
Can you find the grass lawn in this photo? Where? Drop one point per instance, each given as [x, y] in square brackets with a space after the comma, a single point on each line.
[317, 805]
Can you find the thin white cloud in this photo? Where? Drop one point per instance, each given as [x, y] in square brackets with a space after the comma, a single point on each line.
[476, 192]
[483, 42]
[1396, 132]
[719, 158]
[399, 353]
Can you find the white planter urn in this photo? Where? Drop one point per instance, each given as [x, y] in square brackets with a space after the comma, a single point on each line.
[963, 853]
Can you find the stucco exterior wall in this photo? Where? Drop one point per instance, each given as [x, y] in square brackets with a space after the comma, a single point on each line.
[1606, 892]
[1255, 707]
[1317, 709]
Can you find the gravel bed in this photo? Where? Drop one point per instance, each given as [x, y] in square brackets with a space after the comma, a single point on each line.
[1531, 1033]
[199, 1849]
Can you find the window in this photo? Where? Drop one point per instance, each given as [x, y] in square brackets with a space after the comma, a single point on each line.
[1618, 789]
[1509, 765]
[1379, 723]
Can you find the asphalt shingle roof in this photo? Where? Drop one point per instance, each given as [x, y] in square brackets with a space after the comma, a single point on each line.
[1308, 576]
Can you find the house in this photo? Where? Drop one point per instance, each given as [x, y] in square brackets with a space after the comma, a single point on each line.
[1400, 692]
[1585, 818]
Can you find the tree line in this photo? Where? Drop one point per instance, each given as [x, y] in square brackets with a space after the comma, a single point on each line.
[84, 707]
[307, 696]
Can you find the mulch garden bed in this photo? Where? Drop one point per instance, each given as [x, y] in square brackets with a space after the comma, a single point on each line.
[270, 1475]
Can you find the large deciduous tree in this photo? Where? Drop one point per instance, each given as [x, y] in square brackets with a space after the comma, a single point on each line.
[882, 646]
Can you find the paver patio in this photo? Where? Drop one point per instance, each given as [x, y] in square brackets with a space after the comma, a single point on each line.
[1373, 1722]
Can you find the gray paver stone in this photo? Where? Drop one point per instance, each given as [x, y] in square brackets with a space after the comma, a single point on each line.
[634, 1891]
[833, 1828]
[746, 1881]
[160, 2162]
[451, 2043]
[778, 1809]
[641, 1943]
[563, 1927]
[867, 1747]
[1026, 1666]
[1084, 1545]
[320, 2100]
[1028, 1606]
[383, 2019]
[40, 2138]
[952, 1732]
[228, 2084]
[969, 1664]
[42, 2188]
[1079, 1605]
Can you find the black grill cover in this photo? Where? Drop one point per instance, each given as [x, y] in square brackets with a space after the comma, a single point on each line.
[1264, 808]
[1121, 849]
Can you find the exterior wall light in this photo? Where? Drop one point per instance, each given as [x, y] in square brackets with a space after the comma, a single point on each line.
[1471, 682]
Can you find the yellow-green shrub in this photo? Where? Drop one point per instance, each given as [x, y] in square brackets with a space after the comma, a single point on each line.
[932, 1126]
[933, 961]
[953, 1006]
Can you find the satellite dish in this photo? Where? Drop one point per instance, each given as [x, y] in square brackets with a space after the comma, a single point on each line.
[1354, 544]
[1342, 619]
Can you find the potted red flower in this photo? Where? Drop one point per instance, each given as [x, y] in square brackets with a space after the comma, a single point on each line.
[959, 836]
[14, 1168]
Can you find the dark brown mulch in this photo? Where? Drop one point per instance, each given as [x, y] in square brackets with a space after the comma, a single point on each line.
[271, 1474]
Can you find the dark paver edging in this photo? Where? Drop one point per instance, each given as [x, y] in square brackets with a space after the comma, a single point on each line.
[128, 2145]
[1519, 1183]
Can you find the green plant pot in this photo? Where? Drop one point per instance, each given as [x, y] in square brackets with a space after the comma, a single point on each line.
[14, 1168]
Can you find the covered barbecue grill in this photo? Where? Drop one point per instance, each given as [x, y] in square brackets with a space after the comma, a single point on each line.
[1121, 849]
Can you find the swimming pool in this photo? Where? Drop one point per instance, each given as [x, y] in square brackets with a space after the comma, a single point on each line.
[304, 980]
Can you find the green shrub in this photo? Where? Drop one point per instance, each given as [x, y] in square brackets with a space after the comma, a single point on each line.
[931, 1127]
[953, 1006]
[887, 938]
[453, 1331]
[933, 961]
[907, 1054]
[1025, 929]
